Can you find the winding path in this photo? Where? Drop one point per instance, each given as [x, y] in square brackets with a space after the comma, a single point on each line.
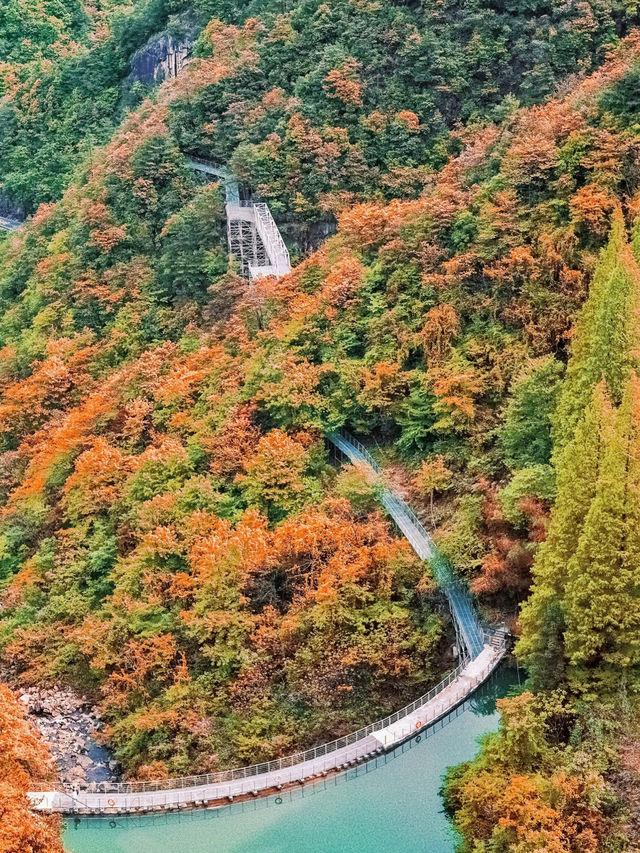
[468, 629]
[480, 651]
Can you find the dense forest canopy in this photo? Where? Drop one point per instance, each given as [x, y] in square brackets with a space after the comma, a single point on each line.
[336, 99]
[175, 541]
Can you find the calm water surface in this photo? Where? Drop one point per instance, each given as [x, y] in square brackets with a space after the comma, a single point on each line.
[388, 806]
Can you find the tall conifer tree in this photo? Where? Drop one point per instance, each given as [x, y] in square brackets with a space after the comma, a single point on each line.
[542, 618]
[602, 598]
[573, 566]
[606, 337]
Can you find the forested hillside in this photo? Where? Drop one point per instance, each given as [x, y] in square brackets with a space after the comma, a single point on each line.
[175, 542]
[330, 101]
[64, 86]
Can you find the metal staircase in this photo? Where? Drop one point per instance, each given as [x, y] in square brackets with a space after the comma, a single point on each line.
[253, 236]
[275, 258]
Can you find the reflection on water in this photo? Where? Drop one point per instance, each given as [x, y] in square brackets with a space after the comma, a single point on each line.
[389, 805]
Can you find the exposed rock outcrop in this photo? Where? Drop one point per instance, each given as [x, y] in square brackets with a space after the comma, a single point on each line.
[307, 237]
[11, 214]
[70, 725]
[162, 57]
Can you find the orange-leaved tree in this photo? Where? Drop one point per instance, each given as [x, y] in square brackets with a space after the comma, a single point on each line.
[22, 759]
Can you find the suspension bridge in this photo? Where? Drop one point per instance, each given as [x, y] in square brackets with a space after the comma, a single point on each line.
[480, 651]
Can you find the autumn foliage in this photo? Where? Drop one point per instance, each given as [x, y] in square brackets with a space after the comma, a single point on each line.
[175, 539]
[521, 793]
[23, 760]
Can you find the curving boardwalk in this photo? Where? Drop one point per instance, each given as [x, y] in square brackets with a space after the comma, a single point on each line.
[481, 652]
[468, 628]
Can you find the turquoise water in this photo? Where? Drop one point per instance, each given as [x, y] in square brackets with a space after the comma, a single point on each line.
[391, 805]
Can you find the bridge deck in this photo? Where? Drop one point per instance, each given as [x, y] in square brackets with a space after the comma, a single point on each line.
[96, 803]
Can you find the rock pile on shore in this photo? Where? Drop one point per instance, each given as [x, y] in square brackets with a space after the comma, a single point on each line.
[69, 725]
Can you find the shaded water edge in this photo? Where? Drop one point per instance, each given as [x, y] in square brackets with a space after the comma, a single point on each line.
[391, 804]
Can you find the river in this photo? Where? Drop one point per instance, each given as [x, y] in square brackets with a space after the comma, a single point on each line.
[391, 805]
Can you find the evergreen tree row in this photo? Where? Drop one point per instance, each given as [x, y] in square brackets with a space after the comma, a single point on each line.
[582, 621]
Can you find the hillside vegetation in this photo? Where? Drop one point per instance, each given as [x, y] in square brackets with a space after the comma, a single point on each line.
[23, 761]
[175, 541]
[332, 100]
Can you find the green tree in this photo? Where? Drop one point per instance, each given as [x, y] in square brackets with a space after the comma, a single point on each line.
[537, 481]
[416, 420]
[602, 598]
[526, 434]
[577, 558]
[190, 258]
[542, 617]
[606, 339]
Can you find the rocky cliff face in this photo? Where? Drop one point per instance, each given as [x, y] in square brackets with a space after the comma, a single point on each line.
[307, 237]
[9, 210]
[159, 60]
[162, 57]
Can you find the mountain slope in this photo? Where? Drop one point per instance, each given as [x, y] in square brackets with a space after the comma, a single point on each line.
[146, 393]
[174, 540]
[320, 110]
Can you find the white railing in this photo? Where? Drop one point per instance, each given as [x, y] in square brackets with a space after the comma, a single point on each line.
[311, 754]
[271, 237]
